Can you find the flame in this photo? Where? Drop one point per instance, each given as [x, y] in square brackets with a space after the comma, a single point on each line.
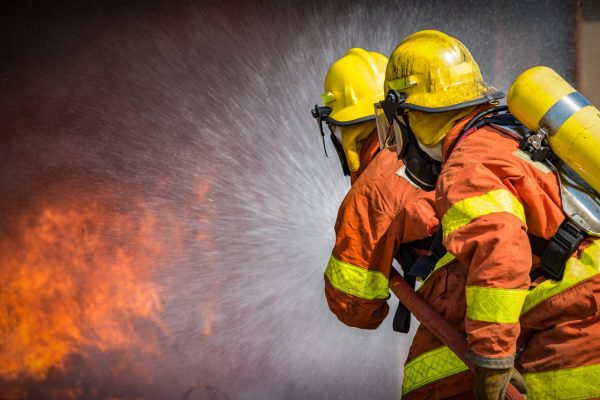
[75, 278]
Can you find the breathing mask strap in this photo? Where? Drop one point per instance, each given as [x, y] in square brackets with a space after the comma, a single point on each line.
[420, 167]
[339, 150]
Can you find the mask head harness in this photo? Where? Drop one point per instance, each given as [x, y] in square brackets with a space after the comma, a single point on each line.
[420, 168]
[321, 114]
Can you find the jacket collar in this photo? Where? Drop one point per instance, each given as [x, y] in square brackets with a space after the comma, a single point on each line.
[457, 128]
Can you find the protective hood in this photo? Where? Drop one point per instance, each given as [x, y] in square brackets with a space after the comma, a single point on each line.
[353, 138]
[430, 128]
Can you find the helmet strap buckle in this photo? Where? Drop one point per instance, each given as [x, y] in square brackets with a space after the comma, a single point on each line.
[321, 114]
[391, 104]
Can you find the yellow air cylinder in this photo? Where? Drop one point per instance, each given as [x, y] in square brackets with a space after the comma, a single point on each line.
[541, 99]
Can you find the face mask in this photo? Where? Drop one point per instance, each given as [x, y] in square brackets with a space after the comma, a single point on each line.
[434, 151]
[353, 138]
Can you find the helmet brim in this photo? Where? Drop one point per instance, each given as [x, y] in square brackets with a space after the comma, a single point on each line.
[355, 114]
[436, 104]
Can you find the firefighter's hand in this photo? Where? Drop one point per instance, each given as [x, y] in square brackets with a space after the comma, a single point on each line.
[491, 384]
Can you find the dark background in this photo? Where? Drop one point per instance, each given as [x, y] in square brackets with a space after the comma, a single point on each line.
[194, 115]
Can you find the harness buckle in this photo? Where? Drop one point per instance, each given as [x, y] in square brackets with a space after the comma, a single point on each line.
[562, 245]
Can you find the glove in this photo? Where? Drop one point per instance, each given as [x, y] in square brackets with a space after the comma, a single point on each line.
[491, 384]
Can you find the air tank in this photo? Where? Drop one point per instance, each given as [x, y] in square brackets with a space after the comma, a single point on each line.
[542, 100]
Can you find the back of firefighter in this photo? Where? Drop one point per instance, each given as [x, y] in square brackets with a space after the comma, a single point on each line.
[382, 210]
[490, 196]
[352, 84]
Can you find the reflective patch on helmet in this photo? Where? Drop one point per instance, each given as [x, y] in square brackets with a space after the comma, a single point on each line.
[327, 97]
[523, 155]
[402, 83]
[463, 69]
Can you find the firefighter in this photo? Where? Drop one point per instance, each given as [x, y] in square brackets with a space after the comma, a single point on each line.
[382, 210]
[352, 84]
[495, 202]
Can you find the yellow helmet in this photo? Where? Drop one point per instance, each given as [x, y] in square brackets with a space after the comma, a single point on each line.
[353, 83]
[437, 73]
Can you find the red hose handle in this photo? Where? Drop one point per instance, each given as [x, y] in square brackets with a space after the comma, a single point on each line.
[437, 324]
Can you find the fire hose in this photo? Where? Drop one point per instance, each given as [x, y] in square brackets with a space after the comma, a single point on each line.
[437, 324]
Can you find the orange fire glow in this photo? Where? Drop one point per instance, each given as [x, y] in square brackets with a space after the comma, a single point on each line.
[75, 278]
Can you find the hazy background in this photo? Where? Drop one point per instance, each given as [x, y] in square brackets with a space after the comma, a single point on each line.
[167, 208]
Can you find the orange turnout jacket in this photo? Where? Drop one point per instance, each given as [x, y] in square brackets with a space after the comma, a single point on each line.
[432, 371]
[381, 211]
[490, 195]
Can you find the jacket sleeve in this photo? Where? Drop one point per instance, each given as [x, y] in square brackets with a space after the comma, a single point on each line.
[357, 274]
[355, 295]
[356, 281]
[484, 227]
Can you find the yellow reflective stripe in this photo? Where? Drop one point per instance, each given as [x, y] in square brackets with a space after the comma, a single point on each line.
[402, 83]
[327, 97]
[571, 383]
[502, 306]
[465, 211]
[445, 260]
[576, 270]
[441, 263]
[357, 281]
[431, 366]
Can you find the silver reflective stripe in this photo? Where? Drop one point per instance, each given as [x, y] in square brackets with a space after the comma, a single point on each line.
[561, 111]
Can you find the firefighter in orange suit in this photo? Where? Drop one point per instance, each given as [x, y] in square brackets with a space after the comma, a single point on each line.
[382, 210]
[494, 202]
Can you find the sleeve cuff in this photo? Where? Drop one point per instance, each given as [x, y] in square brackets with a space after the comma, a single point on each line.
[492, 363]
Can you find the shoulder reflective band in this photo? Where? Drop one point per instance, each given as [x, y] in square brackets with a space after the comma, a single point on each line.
[576, 270]
[501, 306]
[359, 282]
[569, 383]
[430, 367]
[465, 211]
[561, 111]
